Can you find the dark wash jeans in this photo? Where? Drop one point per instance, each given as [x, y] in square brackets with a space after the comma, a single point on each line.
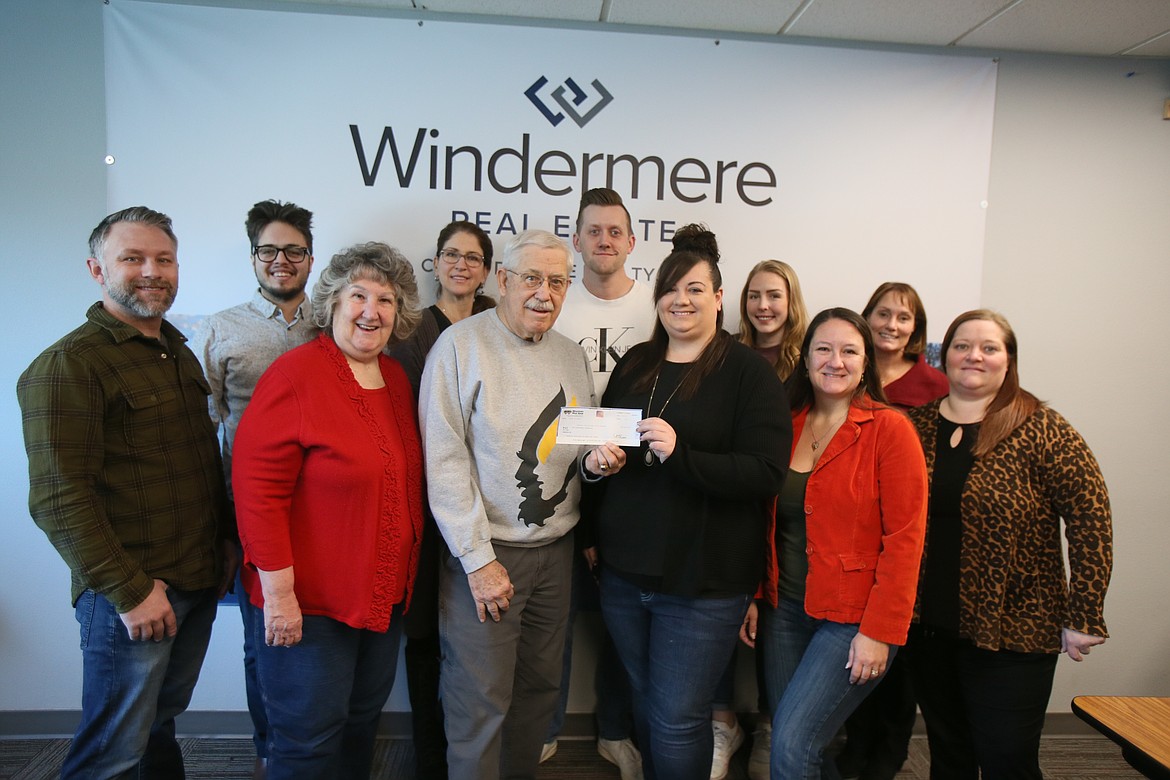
[324, 697]
[675, 650]
[249, 616]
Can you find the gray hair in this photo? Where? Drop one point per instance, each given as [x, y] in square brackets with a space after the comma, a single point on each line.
[377, 262]
[541, 239]
[139, 214]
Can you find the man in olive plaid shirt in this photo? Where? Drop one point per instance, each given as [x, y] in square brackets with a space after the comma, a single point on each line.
[125, 480]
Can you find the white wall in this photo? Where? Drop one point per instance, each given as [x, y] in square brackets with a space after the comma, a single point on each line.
[1076, 257]
[52, 184]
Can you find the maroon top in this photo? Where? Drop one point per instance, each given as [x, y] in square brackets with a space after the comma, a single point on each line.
[920, 385]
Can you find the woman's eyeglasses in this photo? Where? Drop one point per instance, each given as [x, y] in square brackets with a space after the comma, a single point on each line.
[452, 257]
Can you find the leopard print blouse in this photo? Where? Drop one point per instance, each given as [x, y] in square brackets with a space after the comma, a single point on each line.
[1013, 590]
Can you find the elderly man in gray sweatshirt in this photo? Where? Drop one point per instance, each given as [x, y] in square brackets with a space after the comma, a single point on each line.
[505, 497]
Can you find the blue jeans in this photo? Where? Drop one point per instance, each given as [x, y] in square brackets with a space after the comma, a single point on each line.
[809, 687]
[324, 696]
[250, 614]
[725, 691]
[675, 650]
[132, 691]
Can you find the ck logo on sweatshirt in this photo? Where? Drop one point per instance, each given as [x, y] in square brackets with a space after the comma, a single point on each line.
[570, 107]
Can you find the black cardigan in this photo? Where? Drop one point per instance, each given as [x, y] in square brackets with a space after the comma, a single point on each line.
[697, 524]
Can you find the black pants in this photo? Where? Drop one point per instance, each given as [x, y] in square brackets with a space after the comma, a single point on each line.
[984, 710]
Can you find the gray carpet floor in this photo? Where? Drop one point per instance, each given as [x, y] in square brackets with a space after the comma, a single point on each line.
[1062, 758]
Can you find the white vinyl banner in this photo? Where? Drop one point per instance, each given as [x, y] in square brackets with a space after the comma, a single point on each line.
[856, 167]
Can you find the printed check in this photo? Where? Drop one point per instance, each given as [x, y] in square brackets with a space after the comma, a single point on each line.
[595, 425]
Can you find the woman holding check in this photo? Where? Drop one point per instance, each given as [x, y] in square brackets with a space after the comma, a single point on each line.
[682, 528]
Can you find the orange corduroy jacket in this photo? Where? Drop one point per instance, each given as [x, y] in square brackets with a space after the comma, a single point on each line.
[865, 519]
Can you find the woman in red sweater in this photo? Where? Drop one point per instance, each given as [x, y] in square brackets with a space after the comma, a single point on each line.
[328, 483]
[850, 521]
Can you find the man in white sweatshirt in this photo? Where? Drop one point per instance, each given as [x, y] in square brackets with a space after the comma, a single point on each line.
[607, 312]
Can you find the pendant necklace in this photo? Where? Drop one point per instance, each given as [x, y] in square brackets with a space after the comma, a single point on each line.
[648, 457]
[816, 440]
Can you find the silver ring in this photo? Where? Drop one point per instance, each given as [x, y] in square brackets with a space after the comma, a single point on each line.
[873, 672]
[604, 466]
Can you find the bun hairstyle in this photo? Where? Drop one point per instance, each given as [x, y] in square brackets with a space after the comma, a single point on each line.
[693, 245]
[696, 238]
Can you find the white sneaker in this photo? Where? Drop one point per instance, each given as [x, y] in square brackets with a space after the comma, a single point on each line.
[727, 740]
[548, 751]
[760, 762]
[622, 754]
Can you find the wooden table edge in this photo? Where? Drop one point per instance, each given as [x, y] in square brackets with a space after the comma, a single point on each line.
[1137, 758]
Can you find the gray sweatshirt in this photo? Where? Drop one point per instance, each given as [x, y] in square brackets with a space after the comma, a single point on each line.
[488, 407]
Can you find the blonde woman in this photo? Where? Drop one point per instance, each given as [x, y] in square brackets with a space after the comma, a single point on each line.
[772, 315]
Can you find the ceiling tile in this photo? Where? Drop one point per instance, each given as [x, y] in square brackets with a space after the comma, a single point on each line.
[576, 11]
[1074, 26]
[926, 22]
[1097, 27]
[746, 16]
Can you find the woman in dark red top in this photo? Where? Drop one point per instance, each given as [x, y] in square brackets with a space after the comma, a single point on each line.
[879, 731]
[898, 320]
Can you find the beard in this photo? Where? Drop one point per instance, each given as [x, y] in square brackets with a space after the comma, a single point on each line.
[124, 295]
[279, 294]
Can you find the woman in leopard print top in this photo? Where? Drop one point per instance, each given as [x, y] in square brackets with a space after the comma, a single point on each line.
[995, 606]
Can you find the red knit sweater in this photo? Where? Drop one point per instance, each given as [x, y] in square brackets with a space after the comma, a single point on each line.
[327, 483]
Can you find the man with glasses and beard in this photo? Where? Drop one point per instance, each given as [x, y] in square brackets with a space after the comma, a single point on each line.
[236, 346]
[125, 480]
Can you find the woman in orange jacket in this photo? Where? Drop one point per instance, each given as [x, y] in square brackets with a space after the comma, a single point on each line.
[850, 522]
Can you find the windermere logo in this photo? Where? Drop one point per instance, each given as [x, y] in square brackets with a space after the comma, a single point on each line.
[568, 107]
[520, 168]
